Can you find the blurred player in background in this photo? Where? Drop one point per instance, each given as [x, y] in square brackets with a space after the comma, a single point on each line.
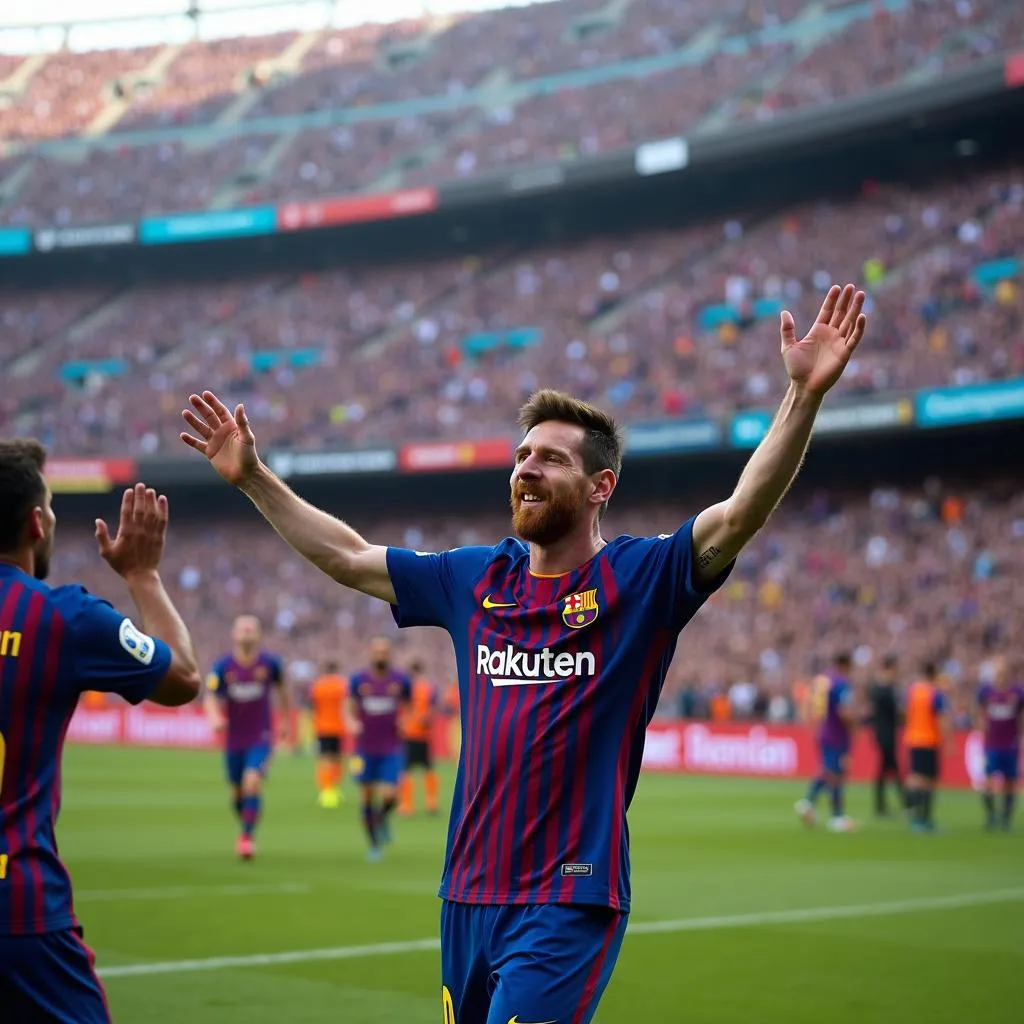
[239, 704]
[55, 644]
[328, 695]
[1001, 711]
[928, 729]
[885, 721]
[562, 641]
[418, 733]
[377, 697]
[833, 711]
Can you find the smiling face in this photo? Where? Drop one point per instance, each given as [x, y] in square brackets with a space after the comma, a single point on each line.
[551, 494]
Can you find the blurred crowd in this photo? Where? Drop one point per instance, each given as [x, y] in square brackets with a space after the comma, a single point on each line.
[736, 70]
[385, 355]
[929, 572]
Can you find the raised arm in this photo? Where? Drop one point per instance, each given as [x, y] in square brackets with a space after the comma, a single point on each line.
[814, 364]
[134, 553]
[332, 546]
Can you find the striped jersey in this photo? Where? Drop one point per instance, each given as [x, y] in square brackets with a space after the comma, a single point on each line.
[55, 643]
[244, 689]
[558, 680]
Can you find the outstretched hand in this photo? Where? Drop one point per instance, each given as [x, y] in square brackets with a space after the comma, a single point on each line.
[138, 544]
[226, 440]
[816, 362]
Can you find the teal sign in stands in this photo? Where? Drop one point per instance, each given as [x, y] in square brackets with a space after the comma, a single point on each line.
[989, 274]
[714, 316]
[77, 370]
[975, 403]
[15, 241]
[481, 342]
[297, 359]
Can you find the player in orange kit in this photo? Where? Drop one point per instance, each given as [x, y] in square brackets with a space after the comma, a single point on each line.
[417, 732]
[327, 695]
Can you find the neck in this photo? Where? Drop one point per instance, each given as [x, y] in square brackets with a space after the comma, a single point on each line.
[566, 554]
[24, 560]
[244, 657]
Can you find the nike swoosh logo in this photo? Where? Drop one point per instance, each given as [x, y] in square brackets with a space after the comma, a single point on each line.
[516, 1020]
[489, 604]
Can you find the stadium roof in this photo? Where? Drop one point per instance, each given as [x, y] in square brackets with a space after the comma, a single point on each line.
[51, 24]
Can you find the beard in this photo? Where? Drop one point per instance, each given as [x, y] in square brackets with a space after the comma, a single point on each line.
[548, 521]
[380, 666]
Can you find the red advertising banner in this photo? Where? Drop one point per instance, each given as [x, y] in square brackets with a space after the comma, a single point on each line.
[353, 209]
[781, 752]
[88, 476]
[703, 748]
[426, 458]
[1014, 70]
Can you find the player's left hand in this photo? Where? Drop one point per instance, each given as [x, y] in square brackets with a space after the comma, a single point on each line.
[139, 543]
[816, 362]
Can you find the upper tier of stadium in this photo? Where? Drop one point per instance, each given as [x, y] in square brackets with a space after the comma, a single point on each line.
[651, 325]
[118, 133]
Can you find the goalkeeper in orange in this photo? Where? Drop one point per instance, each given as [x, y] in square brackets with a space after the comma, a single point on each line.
[327, 696]
[417, 732]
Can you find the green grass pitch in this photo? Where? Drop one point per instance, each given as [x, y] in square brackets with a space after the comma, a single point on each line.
[756, 919]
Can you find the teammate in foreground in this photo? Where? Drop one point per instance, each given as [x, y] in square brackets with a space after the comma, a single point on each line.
[928, 729]
[1001, 710]
[55, 644]
[562, 641]
[238, 703]
[833, 711]
[328, 695]
[418, 733]
[377, 698]
[885, 720]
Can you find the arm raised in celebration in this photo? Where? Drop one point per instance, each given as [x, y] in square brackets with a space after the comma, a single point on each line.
[336, 549]
[814, 364]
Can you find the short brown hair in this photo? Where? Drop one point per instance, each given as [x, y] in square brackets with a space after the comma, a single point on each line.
[22, 486]
[602, 440]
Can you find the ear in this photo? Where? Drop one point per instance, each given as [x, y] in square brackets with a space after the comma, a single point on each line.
[36, 524]
[604, 485]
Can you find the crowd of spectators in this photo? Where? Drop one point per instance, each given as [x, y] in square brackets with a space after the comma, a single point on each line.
[379, 354]
[925, 571]
[406, 61]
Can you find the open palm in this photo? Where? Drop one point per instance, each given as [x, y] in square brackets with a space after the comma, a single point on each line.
[817, 361]
[226, 440]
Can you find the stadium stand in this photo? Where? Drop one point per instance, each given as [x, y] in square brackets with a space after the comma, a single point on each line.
[670, 322]
[808, 586]
[424, 101]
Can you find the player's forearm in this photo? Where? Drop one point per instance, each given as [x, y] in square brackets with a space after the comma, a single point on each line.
[160, 618]
[776, 462]
[320, 538]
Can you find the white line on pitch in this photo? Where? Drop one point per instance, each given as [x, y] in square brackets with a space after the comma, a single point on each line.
[685, 924]
[177, 892]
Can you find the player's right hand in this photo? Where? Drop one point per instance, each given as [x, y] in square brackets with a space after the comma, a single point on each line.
[139, 543]
[226, 440]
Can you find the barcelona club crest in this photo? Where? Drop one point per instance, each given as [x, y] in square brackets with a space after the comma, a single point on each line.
[580, 609]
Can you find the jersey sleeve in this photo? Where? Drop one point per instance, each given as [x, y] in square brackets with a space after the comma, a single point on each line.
[215, 680]
[662, 571]
[111, 654]
[428, 587]
[844, 695]
[939, 703]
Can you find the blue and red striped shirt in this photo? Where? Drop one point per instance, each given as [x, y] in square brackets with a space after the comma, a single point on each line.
[558, 680]
[55, 643]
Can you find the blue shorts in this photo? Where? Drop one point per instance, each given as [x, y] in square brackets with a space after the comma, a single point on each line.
[384, 768]
[833, 759]
[1002, 762]
[50, 978]
[238, 762]
[526, 963]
